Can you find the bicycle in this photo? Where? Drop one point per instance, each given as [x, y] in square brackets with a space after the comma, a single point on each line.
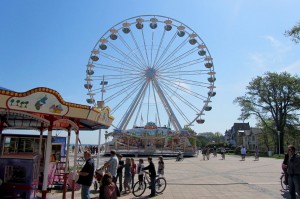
[140, 186]
[284, 186]
[80, 161]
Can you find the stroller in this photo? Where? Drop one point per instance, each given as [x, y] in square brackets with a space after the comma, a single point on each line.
[98, 176]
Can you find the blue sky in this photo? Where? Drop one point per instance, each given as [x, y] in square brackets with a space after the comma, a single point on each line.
[48, 44]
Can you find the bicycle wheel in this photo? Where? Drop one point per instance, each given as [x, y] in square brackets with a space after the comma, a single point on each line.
[283, 185]
[139, 188]
[160, 185]
[80, 161]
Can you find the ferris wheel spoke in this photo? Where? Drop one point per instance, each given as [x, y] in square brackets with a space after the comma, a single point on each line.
[133, 105]
[133, 53]
[145, 47]
[182, 65]
[114, 68]
[187, 81]
[152, 41]
[159, 47]
[156, 105]
[172, 54]
[188, 91]
[117, 60]
[180, 57]
[130, 86]
[126, 97]
[138, 48]
[185, 101]
[148, 103]
[124, 55]
[182, 114]
[126, 83]
[139, 110]
[165, 51]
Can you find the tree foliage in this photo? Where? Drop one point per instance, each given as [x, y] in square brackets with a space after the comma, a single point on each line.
[294, 33]
[272, 96]
[206, 138]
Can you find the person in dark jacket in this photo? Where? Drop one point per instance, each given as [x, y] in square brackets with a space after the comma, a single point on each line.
[152, 174]
[120, 172]
[86, 175]
[293, 171]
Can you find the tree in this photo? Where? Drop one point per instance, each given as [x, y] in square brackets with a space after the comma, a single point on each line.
[294, 33]
[272, 96]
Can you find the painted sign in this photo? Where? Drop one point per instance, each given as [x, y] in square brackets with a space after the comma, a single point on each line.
[42, 102]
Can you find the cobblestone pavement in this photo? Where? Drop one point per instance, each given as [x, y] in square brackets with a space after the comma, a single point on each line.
[214, 179]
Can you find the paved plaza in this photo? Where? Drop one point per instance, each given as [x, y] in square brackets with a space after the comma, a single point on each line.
[214, 179]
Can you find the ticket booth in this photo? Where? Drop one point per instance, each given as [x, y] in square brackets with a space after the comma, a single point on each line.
[19, 175]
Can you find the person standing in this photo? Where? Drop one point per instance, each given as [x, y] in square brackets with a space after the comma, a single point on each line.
[127, 175]
[256, 153]
[86, 175]
[284, 167]
[243, 152]
[152, 174]
[140, 170]
[204, 153]
[120, 172]
[161, 166]
[133, 171]
[112, 165]
[293, 171]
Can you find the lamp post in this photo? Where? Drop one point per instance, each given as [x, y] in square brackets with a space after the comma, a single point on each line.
[278, 142]
[100, 105]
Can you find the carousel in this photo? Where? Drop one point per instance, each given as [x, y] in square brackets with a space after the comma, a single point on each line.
[24, 160]
[151, 140]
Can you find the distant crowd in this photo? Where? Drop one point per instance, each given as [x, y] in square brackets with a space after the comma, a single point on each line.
[92, 148]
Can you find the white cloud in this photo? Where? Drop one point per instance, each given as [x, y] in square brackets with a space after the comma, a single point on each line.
[293, 68]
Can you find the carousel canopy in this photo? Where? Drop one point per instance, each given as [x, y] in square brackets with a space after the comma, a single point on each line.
[40, 107]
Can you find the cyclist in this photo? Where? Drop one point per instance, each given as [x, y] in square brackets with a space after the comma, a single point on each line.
[152, 174]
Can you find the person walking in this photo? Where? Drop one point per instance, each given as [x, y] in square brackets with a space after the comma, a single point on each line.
[223, 151]
[256, 153]
[108, 189]
[152, 174]
[207, 153]
[204, 153]
[120, 172]
[133, 171]
[293, 171]
[86, 175]
[127, 175]
[161, 166]
[243, 153]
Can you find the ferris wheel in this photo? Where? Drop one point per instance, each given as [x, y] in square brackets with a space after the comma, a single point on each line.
[151, 68]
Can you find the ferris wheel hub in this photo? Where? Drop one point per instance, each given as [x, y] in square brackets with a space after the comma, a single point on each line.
[150, 73]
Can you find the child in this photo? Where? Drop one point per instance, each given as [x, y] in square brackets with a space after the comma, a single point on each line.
[133, 171]
[140, 170]
[127, 175]
[108, 188]
[161, 166]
